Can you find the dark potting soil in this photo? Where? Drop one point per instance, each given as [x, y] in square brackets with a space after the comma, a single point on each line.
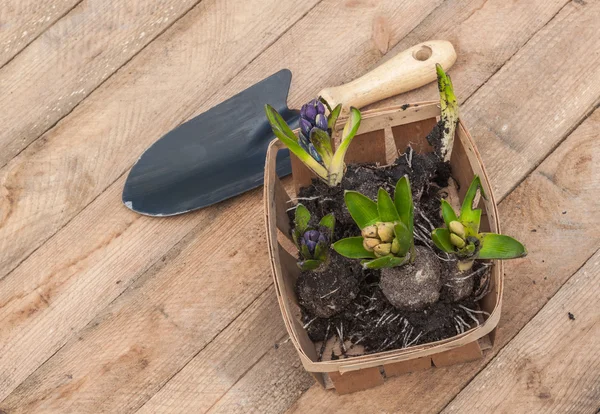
[358, 310]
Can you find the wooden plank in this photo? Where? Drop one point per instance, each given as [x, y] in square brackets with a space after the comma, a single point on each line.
[553, 364]
[68, 61]
[66, 319]
[45, 304]
[480, 53]
[21, 21]
[491, 114]
[482, 59]
[208, 377]
[128, 351]
[117, 218]
[270, 382]
[81, 156]
[533, 213]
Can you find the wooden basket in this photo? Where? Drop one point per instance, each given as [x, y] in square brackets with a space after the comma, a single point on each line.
[408, 124]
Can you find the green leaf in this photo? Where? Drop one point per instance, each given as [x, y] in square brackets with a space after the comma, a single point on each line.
[448, 213]
[405, 238]
[468, 216]
[304, 252]
[285, 135]
[499, 246]
[404, 203]
[352, 247]
[385, 207]
[362, 209]
[301, 218]
[328, 222]
[324, 102]
[383, 262]
[333, 116]
[472, 223]
[309, 264]
[441, 238]
[322, 142]
[449, 112]
[321, 250]
[336, 168]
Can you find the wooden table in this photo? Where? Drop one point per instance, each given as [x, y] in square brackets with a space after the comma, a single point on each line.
[103, 310]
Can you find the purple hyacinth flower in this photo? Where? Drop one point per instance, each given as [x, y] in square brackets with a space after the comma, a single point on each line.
[310, 113]
[303, 111]
[320, 107]
[321, 122]
[312, 235]
[305, 127]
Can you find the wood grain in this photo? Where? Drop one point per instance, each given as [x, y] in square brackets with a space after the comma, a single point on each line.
[243, 208]
[41, 304]
[69, 60]
[203, 381]
[486, 60]
[533, 213]
[485, 34]
[127, 352]
[21, 21]
[129, 88]
[533, 83]
[553, 364]
[57, 176]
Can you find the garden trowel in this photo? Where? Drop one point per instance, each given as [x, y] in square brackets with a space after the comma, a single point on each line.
[221, 153]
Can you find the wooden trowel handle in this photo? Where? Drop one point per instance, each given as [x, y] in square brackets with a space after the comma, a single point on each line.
[406, 71]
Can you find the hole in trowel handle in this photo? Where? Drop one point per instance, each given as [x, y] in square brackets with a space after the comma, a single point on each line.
[423, 53]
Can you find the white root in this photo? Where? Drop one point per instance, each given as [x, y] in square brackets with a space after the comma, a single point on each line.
[330, 293]
[466, 325]
[309, 322]
[474, 318]
[426, 219]
[415, 340]
[340, 332]
[382, 316]
[474, 311]
[476, 272]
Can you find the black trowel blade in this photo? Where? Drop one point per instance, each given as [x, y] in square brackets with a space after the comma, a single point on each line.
[214, 156]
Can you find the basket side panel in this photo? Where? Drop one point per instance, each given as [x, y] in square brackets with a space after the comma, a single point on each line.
[282, 202]
[413, 134]
[356, 380]
[404, 367]
[465, 353]
[367, 147]
[302, 175]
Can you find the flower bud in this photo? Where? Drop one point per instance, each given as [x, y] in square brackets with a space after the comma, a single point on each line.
[457, 228]
[310, 113]
[322, 238]
[369, 231]
[312, 235]
[369, 243]
[321, 122]
[385, 232]
[320, 107]
[382, 249]
[305, 127]
[303, 111]
[395, 246]
[457, 241]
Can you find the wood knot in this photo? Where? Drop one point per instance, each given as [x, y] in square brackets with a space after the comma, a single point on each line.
[381, 34]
